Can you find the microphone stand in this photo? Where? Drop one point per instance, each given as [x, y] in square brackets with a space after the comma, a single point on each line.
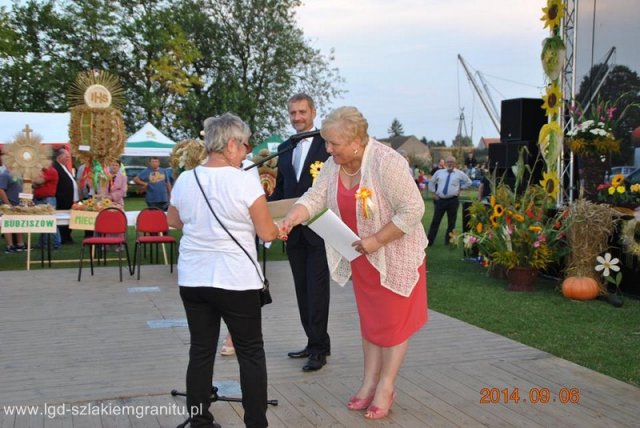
[295, 139]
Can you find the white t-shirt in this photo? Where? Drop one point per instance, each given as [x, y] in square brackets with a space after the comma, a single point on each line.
[208, 256]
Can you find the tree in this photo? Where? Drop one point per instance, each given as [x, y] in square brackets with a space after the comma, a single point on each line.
[396, 128]
[461, 141]
[254, 57]
[157, 72]
[432, 143]
[623, 87]
[179, 62]
[31, 58]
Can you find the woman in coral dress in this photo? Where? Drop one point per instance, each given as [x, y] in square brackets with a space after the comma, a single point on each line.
[369, 186]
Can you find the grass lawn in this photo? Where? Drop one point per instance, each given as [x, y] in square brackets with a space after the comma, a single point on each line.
[593, 334]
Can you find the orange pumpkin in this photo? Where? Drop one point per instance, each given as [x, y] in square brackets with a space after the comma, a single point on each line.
[580, 288]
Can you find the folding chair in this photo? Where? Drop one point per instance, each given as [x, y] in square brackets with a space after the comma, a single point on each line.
[152, 228]
[110, 221]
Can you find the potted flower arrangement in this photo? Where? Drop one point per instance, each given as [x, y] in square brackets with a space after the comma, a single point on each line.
[616, 193]
[517, 231]
[592, 139]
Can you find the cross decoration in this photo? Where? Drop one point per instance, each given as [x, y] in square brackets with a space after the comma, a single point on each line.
[27, 131]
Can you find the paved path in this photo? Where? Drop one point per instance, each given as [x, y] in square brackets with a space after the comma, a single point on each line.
[105, 347]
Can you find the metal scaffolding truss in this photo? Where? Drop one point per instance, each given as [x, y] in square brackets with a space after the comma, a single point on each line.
[569, 34]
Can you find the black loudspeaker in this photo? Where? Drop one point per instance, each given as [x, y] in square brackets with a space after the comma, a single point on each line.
[505, 155]
[521, 119]
[502, 156]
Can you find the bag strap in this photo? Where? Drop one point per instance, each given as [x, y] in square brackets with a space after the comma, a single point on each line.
[264, 280]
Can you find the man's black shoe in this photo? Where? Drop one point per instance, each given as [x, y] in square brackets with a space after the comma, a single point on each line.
[299, 354]
[315, 362]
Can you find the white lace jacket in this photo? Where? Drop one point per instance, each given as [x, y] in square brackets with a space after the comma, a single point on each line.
[395, 198]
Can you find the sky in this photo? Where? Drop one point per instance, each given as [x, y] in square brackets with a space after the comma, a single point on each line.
[399, 58]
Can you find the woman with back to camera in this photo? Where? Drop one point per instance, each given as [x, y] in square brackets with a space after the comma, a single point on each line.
[216, 278]
[369, 186]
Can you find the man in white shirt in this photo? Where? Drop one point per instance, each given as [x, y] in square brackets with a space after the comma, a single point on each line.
[445, 186]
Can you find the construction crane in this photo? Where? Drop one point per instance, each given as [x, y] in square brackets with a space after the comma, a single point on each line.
[486, 90]
[484, 96]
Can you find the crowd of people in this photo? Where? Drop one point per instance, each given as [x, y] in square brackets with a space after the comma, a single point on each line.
[59, 187]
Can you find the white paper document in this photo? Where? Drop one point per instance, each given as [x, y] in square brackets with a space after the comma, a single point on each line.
[335, 233]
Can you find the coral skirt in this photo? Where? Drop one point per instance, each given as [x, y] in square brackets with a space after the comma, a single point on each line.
[386, 318]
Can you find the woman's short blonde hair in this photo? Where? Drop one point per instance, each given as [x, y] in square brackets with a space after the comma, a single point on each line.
[349, 121]
[218, 130]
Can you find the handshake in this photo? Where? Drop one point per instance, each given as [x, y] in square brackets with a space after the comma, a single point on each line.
[284, 228]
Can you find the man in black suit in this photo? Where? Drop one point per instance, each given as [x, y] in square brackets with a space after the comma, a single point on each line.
[305, 249]
[67, 190]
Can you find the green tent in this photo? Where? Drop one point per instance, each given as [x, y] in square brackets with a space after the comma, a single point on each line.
[271, 144]
[148, 141]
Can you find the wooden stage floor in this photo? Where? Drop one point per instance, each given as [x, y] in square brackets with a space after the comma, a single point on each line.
[116, 350]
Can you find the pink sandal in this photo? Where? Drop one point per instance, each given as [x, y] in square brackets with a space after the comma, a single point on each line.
[356, 403]
[227, 348]
[375, 412]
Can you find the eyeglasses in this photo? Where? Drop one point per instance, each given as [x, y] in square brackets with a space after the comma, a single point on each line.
[244, 144]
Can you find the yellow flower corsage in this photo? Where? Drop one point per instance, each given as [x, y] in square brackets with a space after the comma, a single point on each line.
[314, 170]
[364, 196]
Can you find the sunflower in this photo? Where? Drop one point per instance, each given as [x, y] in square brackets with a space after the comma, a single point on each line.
[314, 169]
[550, 184]
[518, 217]
[617, 180]
[552, 99]
[494, 221]
[536, 229]
[498, 210]
[553, 13]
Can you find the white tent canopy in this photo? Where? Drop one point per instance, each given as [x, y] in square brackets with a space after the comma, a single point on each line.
[148, 141]
[52, 127]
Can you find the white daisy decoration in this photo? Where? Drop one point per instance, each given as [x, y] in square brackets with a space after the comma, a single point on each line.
[607, 264]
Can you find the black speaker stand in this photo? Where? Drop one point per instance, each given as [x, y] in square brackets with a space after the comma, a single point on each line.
[214, 397]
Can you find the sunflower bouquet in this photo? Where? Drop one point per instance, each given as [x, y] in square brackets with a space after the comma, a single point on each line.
[617, 193]
[518, 229]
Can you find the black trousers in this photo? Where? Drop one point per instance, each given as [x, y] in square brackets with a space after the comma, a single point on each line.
[442, 206]
[311, 279]
[241, 311]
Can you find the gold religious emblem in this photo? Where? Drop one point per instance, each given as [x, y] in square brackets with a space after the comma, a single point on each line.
[97, 96]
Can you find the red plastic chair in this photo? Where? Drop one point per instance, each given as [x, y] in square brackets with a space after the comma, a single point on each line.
[152, 228]
[110, 221]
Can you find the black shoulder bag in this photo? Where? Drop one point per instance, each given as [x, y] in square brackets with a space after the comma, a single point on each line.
[265, 294]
